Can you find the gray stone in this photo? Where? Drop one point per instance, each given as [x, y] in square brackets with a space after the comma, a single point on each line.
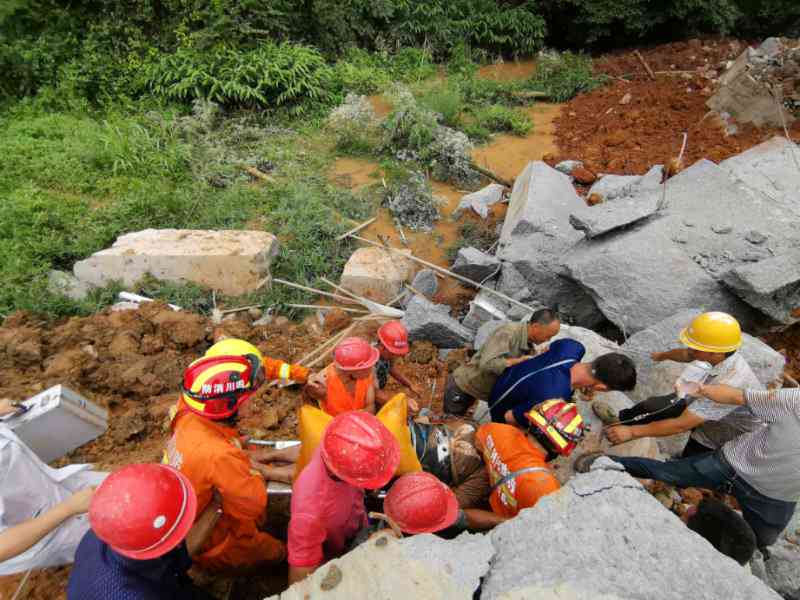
[512, 284]
[603, 534]
[475, 265]
[771, 46]
[721, 228]
[376, 273]
[568, 166]
[536, 234]
[609, 216]
[231, 261]
[609, 187]
[482, 310]
[66, 284]
[465, 559]
[782, 571]
[425, 283]
[755, 237]
[428, 321]
[770, 169]
[657, 378]
[386, 568]
[485, 331]
[481, 200]
[771, 285]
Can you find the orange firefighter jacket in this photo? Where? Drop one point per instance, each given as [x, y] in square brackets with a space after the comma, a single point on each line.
[277, 369]
[210, 455]
[506, 450]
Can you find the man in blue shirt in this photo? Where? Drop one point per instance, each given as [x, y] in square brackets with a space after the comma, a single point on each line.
[555, 374]
[142, 536]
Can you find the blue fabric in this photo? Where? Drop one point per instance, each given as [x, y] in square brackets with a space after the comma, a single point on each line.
[99, 573]
[552, 383]
[768, 517]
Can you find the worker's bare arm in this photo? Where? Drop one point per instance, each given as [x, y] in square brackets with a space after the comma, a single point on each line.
[202, 528]
[682, 355]
[481, 520]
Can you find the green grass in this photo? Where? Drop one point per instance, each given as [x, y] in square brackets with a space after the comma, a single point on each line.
[72, 183]
[563, 76]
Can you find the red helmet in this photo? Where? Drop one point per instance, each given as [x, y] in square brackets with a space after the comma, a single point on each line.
[355, 354]
[420, 503]
[216, 386]
[559, 424]
[143, 511]
[360, 450]
[394, 337]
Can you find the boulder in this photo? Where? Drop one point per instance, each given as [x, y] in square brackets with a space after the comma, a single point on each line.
[536, 235]
[655, 379]
[608, 216]
[232, 262]
[425, 283]
[769, 169]
[475, 265]
[376, 273]
[481, 201]
[66, 284]
[771, 285]
[602, 534]
[428, 321]
[422, 566]
[610, 186]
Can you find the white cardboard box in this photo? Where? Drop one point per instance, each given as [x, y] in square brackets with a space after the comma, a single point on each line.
[58, 420]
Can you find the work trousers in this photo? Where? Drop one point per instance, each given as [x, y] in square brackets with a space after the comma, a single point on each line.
[767, 517]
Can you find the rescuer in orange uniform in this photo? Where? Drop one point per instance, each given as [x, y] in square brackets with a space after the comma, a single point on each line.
[206, 448]
[348, 383]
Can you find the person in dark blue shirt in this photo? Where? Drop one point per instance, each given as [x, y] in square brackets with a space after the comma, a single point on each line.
[555, 374]
[142, 535]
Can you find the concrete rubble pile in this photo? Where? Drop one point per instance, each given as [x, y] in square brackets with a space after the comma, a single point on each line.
[595, 538]
[762, 86]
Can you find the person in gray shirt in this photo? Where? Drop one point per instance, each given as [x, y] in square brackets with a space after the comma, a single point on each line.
[760, 468]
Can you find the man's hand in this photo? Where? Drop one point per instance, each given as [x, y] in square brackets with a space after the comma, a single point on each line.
[79, 502]
[413, 405]
[722, 394]
[619, 434]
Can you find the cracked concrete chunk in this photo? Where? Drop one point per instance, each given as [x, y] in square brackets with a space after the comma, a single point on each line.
[475, 265]
[465, 559]
[425, 320]
[376, 273]
[597, 220]
[603, 535]
[482, 200]
[231, 261]
[771, 285]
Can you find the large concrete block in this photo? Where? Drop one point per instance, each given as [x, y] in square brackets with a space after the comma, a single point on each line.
[232, 262]
[602, 535]
[475, 265]
[425, 320]
[376, 273]
[597, 220]
[481, 201]
[536, 234]
[771, 285]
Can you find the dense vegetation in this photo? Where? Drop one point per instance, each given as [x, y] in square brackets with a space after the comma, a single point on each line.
[116, 116]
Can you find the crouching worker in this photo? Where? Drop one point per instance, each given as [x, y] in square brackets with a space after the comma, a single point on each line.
[349, 382]
[142, 538]
[761, 469]
[392, 344]
[357, 452]
[206, 448]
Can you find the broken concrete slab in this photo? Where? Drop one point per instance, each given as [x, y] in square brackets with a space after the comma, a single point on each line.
[610, 186]
[376, 273]
[597, 220]
[475, 265]
[536, 234]
[771, 285]
[464, 559]
[425, 282]
[481, 201]
[482, 310]
[770, 169]
[66, 284]
[230, 261]
[781, 571]
[658, 378]
[581, 524]
[385, 568]
[425, 320]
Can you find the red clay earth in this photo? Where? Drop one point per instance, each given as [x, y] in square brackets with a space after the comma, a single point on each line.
[629, 138]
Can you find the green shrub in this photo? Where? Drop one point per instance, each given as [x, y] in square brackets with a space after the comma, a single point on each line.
[564, 75]
[367, 73]
[271, 75]
[409, 126]
[445, 100]
[497, 118]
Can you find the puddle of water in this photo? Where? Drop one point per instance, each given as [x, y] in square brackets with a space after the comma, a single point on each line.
[355, 173]
[508, 71]
[507, 155]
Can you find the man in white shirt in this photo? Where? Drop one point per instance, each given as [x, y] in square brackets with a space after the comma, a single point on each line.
[42, 509]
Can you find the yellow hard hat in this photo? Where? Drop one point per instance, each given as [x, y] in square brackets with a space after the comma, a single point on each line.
[713, 332]
[234, 347]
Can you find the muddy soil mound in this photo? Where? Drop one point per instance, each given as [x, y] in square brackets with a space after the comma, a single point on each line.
[633, 122]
